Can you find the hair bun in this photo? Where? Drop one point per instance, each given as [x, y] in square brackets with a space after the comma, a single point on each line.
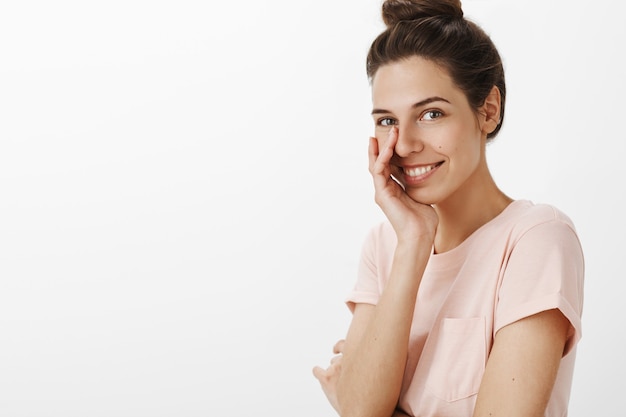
[395, 11]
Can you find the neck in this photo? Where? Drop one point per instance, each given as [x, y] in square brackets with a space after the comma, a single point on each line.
[460, 215]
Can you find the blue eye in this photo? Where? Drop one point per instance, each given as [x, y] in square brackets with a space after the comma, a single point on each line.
[432, 115]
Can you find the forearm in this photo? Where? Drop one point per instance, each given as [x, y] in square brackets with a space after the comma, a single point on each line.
[373, 365]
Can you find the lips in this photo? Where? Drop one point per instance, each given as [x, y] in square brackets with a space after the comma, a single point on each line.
[418, 171]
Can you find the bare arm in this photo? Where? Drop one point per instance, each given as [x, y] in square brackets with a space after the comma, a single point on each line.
[522, 367]
[376, 346]
[366, 379]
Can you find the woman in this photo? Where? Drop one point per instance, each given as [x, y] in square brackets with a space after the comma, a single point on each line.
[467, 302]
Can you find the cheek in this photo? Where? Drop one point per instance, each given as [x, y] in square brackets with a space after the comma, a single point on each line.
[468, 154]
[446, 140]
[458, 143]
[382, 133]
[445, 147]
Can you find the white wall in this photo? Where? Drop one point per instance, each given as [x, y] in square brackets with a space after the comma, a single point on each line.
[184, 192]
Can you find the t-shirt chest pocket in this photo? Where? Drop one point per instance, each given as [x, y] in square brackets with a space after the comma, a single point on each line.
[458, 359]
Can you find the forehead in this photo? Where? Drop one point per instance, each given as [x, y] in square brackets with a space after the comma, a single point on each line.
[411, 80]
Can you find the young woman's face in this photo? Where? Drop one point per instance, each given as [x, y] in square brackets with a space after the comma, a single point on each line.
[441, 142]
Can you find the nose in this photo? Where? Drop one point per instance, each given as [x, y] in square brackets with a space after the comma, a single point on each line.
[409, 140]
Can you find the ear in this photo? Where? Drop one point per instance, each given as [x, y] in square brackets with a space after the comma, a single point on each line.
[490, 111]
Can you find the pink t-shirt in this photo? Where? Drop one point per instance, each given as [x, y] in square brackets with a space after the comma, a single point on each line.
[526, 260]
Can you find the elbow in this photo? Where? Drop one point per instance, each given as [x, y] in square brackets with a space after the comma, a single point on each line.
[349, 405]
[363, 412]
[356, 399]
[359, 406]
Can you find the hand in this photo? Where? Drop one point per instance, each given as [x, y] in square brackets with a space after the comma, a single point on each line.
[328, 377]
[410, 219]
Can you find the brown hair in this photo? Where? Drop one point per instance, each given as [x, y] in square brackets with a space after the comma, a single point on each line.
[436, 30]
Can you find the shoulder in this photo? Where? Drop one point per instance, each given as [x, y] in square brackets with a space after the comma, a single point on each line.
[381, 235]
[379, 246]
[543, 235]
[529, 228]
[540, 219]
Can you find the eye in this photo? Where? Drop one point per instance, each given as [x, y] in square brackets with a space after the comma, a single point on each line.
[431, 115]
[386, 121]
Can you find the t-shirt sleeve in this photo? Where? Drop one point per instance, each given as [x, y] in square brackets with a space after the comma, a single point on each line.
[545, 271]
[367, 287]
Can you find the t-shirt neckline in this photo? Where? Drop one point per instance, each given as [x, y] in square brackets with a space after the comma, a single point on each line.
[503, 216]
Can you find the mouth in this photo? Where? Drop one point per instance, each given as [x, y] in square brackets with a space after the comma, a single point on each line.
[414, 172]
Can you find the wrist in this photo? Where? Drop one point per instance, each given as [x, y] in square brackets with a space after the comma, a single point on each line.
[413, 255]
[415, 245]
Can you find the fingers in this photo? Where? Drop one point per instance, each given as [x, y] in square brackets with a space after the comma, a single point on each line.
[372, 153]
[335, 362]
[328, 380]
[387, 152]
[319, 373]
[338, 348]
[334, 367]
[380, 157]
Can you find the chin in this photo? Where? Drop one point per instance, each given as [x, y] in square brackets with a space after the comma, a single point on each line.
[421, 198]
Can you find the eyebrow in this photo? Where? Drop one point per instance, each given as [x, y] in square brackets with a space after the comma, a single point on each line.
[415, 106]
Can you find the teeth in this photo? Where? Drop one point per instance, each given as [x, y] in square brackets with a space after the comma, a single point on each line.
[416, 172]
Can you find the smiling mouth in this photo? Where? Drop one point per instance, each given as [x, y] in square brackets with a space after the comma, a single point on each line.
[418, 171]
